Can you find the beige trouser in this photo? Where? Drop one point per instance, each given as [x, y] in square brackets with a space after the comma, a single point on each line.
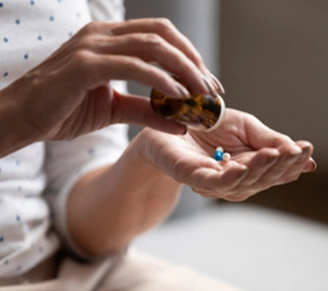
[136, 272]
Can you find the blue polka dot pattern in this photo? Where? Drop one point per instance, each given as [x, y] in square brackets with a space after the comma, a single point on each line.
[30, 30]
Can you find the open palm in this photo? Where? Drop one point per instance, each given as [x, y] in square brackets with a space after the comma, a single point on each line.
[261, 157]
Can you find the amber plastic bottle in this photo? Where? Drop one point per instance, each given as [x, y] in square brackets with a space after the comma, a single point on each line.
[202, 112]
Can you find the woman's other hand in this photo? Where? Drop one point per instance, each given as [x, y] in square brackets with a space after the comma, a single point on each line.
[260, 157]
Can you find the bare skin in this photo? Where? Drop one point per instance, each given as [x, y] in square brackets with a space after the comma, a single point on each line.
[69, 94]
[109, 207]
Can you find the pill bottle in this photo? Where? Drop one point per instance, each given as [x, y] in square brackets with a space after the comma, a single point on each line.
[201, 112]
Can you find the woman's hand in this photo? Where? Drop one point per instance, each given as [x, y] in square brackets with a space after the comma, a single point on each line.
[261, 157]
[68, 94]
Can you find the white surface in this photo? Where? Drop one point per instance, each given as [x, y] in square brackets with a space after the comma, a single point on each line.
[254, 248]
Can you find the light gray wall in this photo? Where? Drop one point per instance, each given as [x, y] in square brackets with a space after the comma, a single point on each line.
[274, 64]
[199, 21]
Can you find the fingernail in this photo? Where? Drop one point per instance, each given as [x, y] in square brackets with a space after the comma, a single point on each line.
[218, 83]
[306, 152]
[314, 166]
[215, 85]
[182, 91]
[208, 85]
[294, 154]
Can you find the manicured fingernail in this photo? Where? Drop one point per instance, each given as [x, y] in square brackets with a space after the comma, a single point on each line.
[294, 154]
[218, 83]
[314, 166]
[181, 91]
[209, 86]
[306, 152]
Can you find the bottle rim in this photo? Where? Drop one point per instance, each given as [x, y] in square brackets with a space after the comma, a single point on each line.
[222, 114]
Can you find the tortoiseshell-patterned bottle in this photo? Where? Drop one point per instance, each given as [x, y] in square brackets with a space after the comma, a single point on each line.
[202, 112]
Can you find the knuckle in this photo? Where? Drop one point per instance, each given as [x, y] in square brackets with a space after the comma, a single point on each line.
[251, 117]
[85, 43]
[152, 39]
[81, 58]
[164, 23]
[91, 27]
[283, 139]
[134, 64]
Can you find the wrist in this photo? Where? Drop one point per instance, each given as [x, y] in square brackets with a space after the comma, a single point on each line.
[13, 131]
[146, 154]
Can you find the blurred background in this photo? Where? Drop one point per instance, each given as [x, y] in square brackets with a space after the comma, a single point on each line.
[272, 58]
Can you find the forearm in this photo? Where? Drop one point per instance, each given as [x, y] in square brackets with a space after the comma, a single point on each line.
[110, 206]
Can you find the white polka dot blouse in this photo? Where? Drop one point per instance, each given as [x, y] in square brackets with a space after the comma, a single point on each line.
[35, 181]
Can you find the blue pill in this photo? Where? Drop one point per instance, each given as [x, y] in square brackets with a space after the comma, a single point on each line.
[218, 155]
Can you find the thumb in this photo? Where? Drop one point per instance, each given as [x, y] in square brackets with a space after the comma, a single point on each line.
[133, 109]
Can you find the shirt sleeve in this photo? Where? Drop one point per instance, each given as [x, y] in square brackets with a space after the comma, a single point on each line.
[67, 161]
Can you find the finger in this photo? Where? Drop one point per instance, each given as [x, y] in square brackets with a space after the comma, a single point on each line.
[102, 68]
[259, 163]
[240, 196]
[158, 26]
[214, 183]
[165, 29]
[158, 50]
[134, 109]
[289, 154]
[310, 166]
[217, 83]
[296, 169]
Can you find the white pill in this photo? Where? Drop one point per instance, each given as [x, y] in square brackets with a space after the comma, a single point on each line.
[226, 157]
